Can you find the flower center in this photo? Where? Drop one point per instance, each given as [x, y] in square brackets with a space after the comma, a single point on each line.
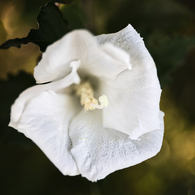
[85, 92]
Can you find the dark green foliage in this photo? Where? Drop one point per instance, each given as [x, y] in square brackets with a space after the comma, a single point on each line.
[183, 86]
[9, 91]
[169, 53]
[75, 15]
[52, 26]
[63, 1]
[167, 28]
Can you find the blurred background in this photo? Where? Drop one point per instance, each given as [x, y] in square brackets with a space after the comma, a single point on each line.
[168, 29]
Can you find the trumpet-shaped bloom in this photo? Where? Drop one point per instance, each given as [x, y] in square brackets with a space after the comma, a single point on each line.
[78, 133]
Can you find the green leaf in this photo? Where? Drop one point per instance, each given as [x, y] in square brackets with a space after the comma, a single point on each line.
[52, 26]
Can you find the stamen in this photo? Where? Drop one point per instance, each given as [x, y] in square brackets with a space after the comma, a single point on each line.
[85, 92]
[103, 102]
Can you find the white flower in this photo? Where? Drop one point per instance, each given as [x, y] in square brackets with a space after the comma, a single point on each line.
[124, 129]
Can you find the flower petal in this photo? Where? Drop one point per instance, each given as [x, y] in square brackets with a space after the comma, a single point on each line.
[135, 94]
[133, 102]
[130, 41]
[32, 92]
[80, 45]
[106, 61]
[45, 120]
[99, 151]
[55, 60]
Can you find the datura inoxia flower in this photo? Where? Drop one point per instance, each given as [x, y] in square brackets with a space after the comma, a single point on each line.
[96, 108]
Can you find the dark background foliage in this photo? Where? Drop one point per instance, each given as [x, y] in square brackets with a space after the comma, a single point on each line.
[168, 29]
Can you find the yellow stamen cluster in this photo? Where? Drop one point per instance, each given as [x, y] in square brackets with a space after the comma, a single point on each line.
[85, 92]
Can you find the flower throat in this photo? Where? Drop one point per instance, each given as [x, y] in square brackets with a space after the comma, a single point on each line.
[85, 91]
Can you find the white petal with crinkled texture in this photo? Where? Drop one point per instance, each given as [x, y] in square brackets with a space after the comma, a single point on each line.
[100, 151]
[135, 94]
[103, 62]
[80, 45]
[130, 41]
[133, 102]
[45, 120]
[30, 93]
